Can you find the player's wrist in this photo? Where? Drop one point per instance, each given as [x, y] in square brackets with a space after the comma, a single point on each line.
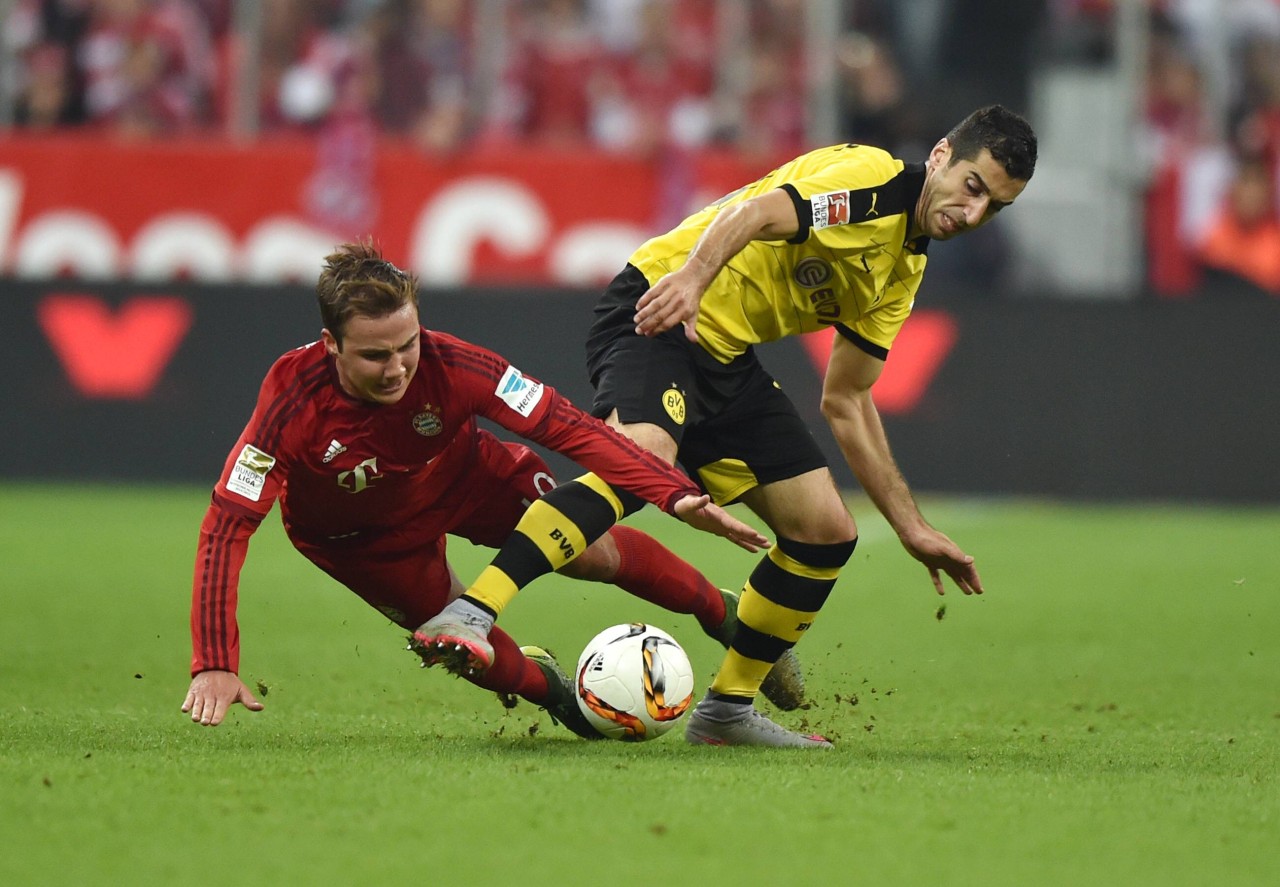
[678, 497]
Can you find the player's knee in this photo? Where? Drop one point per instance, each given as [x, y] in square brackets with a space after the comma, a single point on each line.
[831, 532]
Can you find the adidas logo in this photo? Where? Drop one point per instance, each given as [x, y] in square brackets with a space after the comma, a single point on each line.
[334, 449]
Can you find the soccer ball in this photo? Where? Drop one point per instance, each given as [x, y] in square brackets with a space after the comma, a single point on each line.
[634, 682]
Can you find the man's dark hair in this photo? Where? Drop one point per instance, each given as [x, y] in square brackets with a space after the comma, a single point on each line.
[357, 280]
[1006, 135]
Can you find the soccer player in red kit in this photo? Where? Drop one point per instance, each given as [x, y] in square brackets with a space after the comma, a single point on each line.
[368, 438]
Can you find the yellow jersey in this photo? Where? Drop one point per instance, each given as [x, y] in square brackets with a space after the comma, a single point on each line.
[849, 265]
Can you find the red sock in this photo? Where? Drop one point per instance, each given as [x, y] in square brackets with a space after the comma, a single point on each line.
[511, 672]
[649, 571]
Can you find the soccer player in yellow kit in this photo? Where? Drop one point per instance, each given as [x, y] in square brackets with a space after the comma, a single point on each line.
[837, 237]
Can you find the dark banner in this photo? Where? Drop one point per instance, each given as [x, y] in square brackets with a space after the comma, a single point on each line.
[1078, 400]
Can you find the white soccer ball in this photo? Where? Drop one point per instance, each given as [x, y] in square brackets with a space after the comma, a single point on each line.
[634, 682]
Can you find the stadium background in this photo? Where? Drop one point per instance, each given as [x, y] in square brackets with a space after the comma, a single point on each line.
[171, 172]
[1106, 713]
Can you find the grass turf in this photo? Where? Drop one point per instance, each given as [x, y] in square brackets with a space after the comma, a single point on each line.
[1107, 712]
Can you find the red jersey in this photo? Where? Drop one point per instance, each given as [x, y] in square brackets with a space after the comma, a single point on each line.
[349, 472]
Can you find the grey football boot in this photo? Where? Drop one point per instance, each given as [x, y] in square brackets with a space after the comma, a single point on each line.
[719, 723]
[456, 638]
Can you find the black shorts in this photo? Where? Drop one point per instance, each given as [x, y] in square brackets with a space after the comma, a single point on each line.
[734, 426]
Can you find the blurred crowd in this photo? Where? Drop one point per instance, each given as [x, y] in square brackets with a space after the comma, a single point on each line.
[1213, 115]
[1211, 119]
[618, 74]
[450, 74]
[649, 76]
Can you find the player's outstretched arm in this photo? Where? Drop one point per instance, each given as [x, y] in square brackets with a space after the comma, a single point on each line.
[847, 404]
[213, 692]
[699, 513]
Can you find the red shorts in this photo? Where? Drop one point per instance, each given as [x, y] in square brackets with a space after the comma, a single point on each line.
[409, 585]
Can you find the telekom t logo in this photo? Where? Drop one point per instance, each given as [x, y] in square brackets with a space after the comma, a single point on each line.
[114, 354]
[357, 479]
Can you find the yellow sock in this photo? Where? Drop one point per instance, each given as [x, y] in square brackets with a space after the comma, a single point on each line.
[778, 605]
[553, 532]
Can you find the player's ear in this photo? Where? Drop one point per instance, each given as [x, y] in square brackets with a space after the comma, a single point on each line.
[331, 344]
[940, 154]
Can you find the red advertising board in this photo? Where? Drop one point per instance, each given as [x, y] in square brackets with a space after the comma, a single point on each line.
[267, 212]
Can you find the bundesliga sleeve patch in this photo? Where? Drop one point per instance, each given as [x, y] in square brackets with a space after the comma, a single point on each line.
[249, 473]
[519, 393]
[830, 209]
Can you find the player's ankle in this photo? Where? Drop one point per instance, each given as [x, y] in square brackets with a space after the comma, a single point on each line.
[470, 612]
[715, 707]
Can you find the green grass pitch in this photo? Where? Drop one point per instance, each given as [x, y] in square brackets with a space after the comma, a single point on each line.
[1108, 713]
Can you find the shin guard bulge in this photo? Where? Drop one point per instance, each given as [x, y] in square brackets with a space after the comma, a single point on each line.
[780, 602]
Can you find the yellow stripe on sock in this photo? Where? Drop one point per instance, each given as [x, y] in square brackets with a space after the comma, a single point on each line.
[762, 614]
[796, 568]
[604, 491]
[740, 676]
[555, 535]
[494, 589]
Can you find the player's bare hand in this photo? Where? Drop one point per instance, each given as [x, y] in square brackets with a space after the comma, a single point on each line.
[700, 513]
[940, 555]
[673, 299]
[212, 693]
